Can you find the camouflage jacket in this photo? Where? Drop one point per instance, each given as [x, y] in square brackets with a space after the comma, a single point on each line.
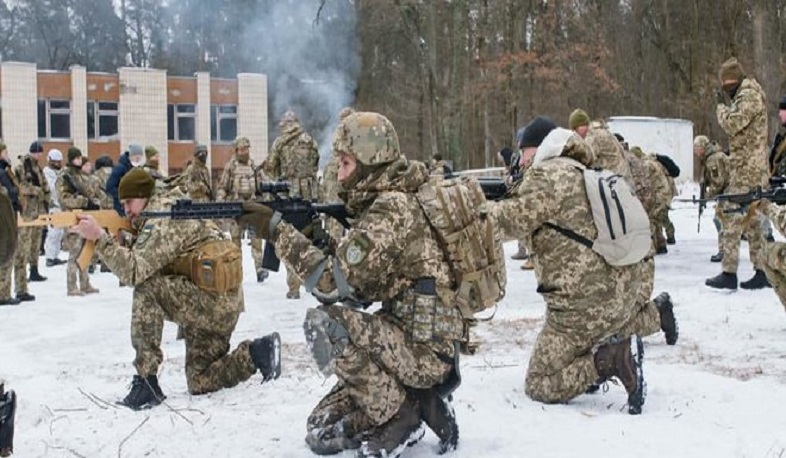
[390, 245]
[716, 171]
[158, 244]
[197, 181]
[154, 172]
[101, 176]
[745, 122]
[609, 154]
[778, 154]
[641, 181]
[576, 282]
[238, 182]
[33, 189]
[77, 189]
[330, 186]
[662, 188]
[295, 157]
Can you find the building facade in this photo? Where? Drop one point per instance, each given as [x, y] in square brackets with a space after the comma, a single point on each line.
[102, 113]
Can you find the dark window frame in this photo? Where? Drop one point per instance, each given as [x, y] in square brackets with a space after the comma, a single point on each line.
[100, 112]
[218, 114]
[49, 113]
[177, 112]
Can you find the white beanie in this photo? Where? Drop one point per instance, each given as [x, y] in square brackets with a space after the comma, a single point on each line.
[55, 155]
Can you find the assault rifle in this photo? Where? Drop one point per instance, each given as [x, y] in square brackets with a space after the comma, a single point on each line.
[702, 205]
[497, 188]
[776, 194]
[296, 211]
[78, 190]
[107, 219]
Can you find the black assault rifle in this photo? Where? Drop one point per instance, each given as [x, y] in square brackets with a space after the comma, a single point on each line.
[776, 194]
[296, 211]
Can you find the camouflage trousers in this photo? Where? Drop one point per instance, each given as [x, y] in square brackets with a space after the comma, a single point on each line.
[337, 416]
[36, 235]
[562, 364]
[658, 221]
[256, 244]
[730, 240]
[5, 274]
[28, 244]
[718, 227]
[669, 226]
[293, 281]
[207, 321]
[375, 366]
[775, 274]
[646, 318]
[74, 244]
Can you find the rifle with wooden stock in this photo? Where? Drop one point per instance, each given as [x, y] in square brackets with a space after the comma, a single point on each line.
[107, 219]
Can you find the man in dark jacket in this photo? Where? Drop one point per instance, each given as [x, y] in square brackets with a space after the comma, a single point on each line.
[134, 157]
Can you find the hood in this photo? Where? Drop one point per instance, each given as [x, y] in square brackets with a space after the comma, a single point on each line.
[291, 131]
[750, 84]
[125, 160]
[562, 142]
[401, 175]
[4, 164]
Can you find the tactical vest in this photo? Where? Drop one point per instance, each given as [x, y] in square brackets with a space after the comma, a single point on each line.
[244, 182]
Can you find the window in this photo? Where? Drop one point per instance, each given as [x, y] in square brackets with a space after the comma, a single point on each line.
[223, 123]
[102, 120]
[181, 122]
[54, 119]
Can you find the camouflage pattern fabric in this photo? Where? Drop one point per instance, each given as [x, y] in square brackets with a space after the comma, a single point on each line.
[28, 243]
[102, 176]
[774, 257]
[380, 260]
[8, 230]
[154, 172]
[330, 189]
[239, 181]
[745, 122]
[646, 318]
[34, 197]
[197, 178]
[207, 320]
[587, 300]
[85, 191]
[335, 418]
[715, 170]
[662, 194]
[609, 153]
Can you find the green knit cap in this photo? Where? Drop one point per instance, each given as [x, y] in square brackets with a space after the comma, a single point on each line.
[73, 153]
[150, 151]
[137, 183]
[578, 118]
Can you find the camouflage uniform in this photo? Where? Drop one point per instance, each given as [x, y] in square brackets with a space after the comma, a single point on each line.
[294, 156]
[101, 176]
[208, 319]
[19, 256]
[610, 155]
[587, 299]
[745, 121]
[774, 258]
[715, 179]
[34, 196]
[330, 187]
[77, 191]
[662, 193]
[777, 157]
[239, 183]
[197, 178]
[390, 248]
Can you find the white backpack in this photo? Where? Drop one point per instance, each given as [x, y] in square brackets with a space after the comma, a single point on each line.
[624, 235]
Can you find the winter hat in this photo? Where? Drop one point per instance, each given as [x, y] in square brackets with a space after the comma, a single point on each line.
[73, 153]
[536, 131]
[578, 118]
[701, 141]
[506, 154]
[136, 183]
[36, 147]
[731, 70]
[150, 152]
[104, 161]
[135, 149]
[54, 155]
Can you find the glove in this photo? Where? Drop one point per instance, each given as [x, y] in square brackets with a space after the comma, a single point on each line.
[92, 205]
[260, 218]
[722, 97]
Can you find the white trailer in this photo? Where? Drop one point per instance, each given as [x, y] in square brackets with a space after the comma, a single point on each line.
[672, 137]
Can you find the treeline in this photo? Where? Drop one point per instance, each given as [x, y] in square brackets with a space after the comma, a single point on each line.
[456, 76]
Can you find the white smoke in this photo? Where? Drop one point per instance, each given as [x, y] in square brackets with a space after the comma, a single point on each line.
[312, 66]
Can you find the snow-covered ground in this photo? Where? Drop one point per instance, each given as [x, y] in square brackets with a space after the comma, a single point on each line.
[719, 392]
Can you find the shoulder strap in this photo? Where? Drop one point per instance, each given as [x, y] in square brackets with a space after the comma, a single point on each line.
[571, 235]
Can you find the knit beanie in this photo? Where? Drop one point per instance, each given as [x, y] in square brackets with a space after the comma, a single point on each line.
[136, 183]
[73, 153]
[731, 70]
[536, 131]
[36, 147]
[701, 141]
[578, 118]
[150, 152]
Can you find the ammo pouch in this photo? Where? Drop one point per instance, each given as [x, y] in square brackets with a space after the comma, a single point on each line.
[215, 266]
[425, 316]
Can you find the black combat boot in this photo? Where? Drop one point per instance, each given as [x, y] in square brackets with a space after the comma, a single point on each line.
[25, 297]
[55, 262]
[7, 415]
[34, 275]
[717, 257]
[10, 301]
[670, 240]
[145, 393]
[336, 437]
[661, 250]
[266, 354]
[758, 281]
[390, 439]
[724, 280]
[519, 256]
[440, 417]
[623, 359]
[668, 323]
[262, 275]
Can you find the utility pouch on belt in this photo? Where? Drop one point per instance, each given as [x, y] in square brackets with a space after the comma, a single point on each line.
[215, 266]
[424, 309]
